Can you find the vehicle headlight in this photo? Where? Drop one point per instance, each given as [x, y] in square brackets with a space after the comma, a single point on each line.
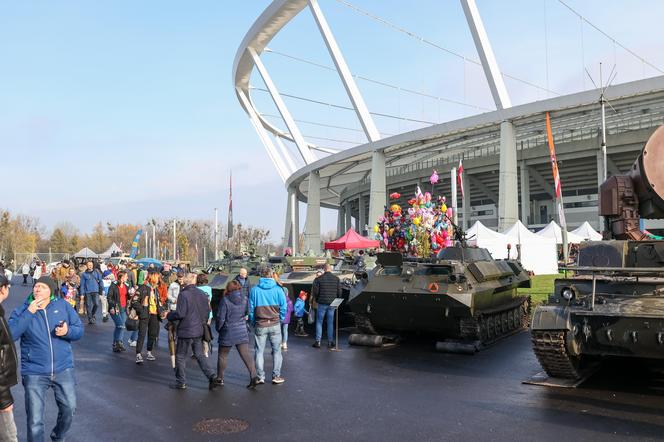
[567, 293]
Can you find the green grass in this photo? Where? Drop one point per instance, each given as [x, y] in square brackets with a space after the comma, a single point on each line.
[541, 286]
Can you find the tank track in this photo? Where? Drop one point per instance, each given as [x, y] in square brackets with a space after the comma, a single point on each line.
[551, 351]
[488, 327]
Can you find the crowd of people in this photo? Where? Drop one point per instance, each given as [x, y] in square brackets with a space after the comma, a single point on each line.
[138, 301]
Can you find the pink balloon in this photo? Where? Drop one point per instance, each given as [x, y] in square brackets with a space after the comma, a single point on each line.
[434, 177]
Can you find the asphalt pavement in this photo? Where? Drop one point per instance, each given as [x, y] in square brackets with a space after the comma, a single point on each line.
[407, 392]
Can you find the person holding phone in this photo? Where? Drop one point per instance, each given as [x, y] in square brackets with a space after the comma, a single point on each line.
[46, 325]
[8, 371]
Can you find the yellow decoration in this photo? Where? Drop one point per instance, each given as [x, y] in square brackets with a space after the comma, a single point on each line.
[376, 229]
[417, 221]
[443, 208]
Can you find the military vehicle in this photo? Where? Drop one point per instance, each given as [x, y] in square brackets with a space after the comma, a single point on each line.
[220, 272]
[613, 304]
[463, 297]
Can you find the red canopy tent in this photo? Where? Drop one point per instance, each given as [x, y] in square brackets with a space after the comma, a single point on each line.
[351, 240]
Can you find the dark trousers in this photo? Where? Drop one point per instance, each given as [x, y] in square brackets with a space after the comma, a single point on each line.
[245, 354]
[25, 279]
[91, 304]
[182, 354]
[150, 327]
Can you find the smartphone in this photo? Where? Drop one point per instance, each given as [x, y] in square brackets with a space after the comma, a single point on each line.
[61, 323]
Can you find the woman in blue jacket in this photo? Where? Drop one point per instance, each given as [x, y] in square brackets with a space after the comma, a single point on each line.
[232, 327]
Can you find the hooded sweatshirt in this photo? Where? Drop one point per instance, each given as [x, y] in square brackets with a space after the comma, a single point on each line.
[267, 303]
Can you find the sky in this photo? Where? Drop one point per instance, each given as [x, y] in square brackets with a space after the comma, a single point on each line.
[123, 111]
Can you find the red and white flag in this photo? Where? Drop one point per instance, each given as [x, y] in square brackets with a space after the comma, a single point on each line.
[460, 176]
[556, 174]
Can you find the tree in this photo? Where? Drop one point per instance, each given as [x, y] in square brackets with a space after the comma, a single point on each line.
[58, 242]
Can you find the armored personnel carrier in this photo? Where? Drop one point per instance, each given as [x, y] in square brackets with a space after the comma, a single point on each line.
[613, 304]
[465, 298]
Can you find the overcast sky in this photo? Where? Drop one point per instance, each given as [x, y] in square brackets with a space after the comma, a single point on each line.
[120, 111]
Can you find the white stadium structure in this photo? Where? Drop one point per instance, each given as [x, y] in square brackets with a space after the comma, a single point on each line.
[507, 168]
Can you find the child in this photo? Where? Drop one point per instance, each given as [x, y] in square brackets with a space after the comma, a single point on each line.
[299, 310]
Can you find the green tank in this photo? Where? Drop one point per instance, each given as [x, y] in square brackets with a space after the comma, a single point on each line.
[612, 302]
[464, 298]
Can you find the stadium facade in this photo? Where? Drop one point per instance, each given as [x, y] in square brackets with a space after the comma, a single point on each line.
[507, 167]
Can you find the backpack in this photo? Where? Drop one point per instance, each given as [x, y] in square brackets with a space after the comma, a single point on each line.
[131, 323]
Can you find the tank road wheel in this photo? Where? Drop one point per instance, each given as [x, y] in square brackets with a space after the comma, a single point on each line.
[550, 347]
[525, 313]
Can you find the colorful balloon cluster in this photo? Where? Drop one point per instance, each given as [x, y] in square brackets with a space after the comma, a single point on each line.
[422, 230]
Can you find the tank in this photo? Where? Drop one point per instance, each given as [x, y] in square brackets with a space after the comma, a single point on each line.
[611, 303]
[464, 298]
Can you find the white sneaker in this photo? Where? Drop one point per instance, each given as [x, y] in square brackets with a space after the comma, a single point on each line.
[284, 346]
[139, 359]
[150, 356]
[132, 343]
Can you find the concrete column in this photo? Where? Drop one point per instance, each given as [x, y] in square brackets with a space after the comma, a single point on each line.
[349, 218]
[508, 207]
[377, 192]
[465, 202]
[312, 227]
[288, 228]
[525, 193]
[340, 221]
[362, 217]
[295, 221]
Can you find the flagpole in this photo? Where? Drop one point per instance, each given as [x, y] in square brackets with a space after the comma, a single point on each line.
[559, 192]
[453, 191]
[216, 234]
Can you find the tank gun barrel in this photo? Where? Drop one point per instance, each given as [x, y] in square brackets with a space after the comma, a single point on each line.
[625, 199]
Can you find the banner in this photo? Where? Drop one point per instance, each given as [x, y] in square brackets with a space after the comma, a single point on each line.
[556, 175]
[134, 244]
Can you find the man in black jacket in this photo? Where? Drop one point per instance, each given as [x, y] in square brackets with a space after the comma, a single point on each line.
[8, 376]
[192, 312]
[325, 289]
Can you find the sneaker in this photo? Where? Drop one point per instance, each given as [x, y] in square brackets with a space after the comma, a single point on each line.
[316, 344]
[132, 343]
[260, 381]
[116, 348]
[213, 383]
[93, 320]
[178, 386]
[104, 318]
[278, 380]
[284, 346]
[254, 382]
[219, 382]
[139, 359]
[331, 344]
[150, 356]
[121, 346]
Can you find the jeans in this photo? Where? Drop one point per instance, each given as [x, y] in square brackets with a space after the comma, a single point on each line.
[324, 311]
[119, 319]
[91, 304]
[7, 427]
[182, 354]
[284, 333]
[36, 386]
[104, 305]
[261, 335]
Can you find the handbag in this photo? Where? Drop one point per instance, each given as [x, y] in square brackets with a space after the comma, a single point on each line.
[311, 316]
[207, 331]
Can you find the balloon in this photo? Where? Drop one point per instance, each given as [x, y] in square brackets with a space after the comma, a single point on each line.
[449, 212]
[443, 208]
[434, 178]
[395, 195]
[375, 229]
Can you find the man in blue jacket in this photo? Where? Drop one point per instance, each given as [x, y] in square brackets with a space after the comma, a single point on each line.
[46, 326]
[92, 288]
[267, 308]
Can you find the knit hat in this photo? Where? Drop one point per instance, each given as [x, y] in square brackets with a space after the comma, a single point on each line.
[50, 282]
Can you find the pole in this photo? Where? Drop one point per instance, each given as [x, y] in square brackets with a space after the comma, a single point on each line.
[204, 256]
[216, 234]
[146, 245]
[174, 240]
[154, 240]
[453, 191]
[602, 103]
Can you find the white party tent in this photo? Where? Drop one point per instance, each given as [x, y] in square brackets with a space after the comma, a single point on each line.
[481, 236]
[586, 231]
[538, 254]
[553, 230]
[110, 251]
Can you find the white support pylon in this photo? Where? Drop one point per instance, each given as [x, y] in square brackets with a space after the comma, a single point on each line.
[344, 72]
[489, 64]
[282, 170]
[300, 142]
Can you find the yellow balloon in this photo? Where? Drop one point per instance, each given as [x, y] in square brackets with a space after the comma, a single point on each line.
[416, 221]
[443, 208]
[376, 229]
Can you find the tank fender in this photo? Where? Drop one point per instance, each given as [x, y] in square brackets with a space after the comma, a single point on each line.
[551, 317]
